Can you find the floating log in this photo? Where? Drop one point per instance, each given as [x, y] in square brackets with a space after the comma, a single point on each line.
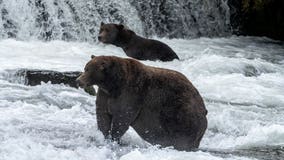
[34, 77]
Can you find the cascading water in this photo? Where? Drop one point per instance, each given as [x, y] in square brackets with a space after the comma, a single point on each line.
[74, 20]
[62, 19]
[184, 18]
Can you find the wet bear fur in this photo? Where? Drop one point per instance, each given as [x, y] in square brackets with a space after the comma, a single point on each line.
[161, 105]
[133, 45]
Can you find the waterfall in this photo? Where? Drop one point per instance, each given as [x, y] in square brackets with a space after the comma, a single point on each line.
[184, 18]
[73, 20]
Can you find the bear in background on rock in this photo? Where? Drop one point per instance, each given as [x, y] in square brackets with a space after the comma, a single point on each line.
[161, 105]
[133, 45]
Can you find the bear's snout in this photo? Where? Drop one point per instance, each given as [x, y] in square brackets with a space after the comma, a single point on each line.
[99, 38]
[79, 82]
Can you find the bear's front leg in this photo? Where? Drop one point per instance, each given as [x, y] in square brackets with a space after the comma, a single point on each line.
[123, 111]
[103, 116]
[104, 123]
[120, 125]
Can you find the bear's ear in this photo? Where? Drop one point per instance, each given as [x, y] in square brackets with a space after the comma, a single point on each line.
[102, 23]
[92, 56]
[120, 26]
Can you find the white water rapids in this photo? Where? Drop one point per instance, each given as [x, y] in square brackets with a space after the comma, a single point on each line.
[240, 78]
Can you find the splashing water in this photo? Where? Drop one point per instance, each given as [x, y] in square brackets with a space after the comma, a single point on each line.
[240, 78]
[73, 20]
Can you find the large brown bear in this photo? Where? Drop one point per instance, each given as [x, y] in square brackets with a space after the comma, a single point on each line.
[134, 45]
[160, 104]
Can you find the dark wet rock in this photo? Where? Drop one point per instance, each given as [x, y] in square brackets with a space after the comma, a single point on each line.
[258, 17]
[236, 16]
[35, 77]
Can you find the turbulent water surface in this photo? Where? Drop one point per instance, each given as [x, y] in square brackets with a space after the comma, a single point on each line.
[240, 78]
[79, 20]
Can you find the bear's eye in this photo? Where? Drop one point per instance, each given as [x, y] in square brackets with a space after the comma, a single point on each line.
[106, 30]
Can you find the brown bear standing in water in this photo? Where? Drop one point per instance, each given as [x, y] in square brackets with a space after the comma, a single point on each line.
[134, 45]
[161, 105]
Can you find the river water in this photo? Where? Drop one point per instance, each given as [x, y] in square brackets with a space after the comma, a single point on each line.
[240, 78]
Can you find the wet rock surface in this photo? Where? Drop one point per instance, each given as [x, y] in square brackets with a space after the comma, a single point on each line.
[257, 18]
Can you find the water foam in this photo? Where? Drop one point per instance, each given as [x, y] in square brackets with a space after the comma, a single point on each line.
[245, 111]
[73, 20]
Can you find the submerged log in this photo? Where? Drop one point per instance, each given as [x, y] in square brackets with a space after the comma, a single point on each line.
[35, 77]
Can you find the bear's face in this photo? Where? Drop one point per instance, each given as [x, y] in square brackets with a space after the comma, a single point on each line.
[109, 32]
[95, 72]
